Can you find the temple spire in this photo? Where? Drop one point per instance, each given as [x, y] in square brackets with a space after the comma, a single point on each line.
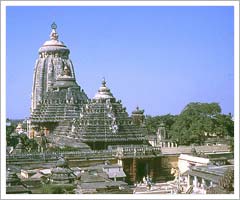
[103, 82]
[103, 92]
[54, 34]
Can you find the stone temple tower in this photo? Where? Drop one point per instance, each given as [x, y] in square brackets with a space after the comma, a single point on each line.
[104, 123]
[56, 96]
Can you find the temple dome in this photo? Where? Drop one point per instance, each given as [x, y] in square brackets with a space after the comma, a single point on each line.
[61, 174]
[53, 44]
[138, 111]
[103, 92]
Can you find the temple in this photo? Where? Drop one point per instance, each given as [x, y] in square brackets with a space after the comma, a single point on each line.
[91, 145]
[104, 123]
[56, 97]
[62, 116]
[63, 111]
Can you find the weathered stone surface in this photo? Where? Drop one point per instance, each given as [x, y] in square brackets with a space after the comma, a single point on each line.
[55, 94]
[14, 184]
[104, 121]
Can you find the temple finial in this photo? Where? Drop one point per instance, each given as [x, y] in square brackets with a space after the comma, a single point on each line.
[103, 82]
[54, 35]
[54, 25]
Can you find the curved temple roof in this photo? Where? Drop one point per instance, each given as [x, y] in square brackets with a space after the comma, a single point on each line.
[53, 44]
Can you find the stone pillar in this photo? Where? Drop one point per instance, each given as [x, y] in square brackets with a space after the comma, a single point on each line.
[203, 186]
[203, 183]
[195, 181]
[131, 169]
[189, 180]
[120, 162]
[134, 170]
[134, 152]
[211, 184]
[151, 168]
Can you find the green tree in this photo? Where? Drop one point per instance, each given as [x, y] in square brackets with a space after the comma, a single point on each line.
[29, 144]
[11, 141]
[224, 125]
[153, 123]
[199, 121]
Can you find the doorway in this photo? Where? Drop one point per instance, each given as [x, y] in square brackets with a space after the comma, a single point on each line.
[142, 170]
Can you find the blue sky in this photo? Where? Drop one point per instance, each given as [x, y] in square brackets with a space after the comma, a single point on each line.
[159, 58]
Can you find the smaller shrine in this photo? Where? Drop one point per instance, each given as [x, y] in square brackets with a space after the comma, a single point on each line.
[163, 139]
[104, 122]
[138, 116]
[19, 147]
[62, 174]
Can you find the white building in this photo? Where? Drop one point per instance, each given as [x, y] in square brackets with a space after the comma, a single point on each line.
[185, 162]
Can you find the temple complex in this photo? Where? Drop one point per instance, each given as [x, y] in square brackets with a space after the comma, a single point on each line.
[63, 116]
[62, 110]
[88, 133]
